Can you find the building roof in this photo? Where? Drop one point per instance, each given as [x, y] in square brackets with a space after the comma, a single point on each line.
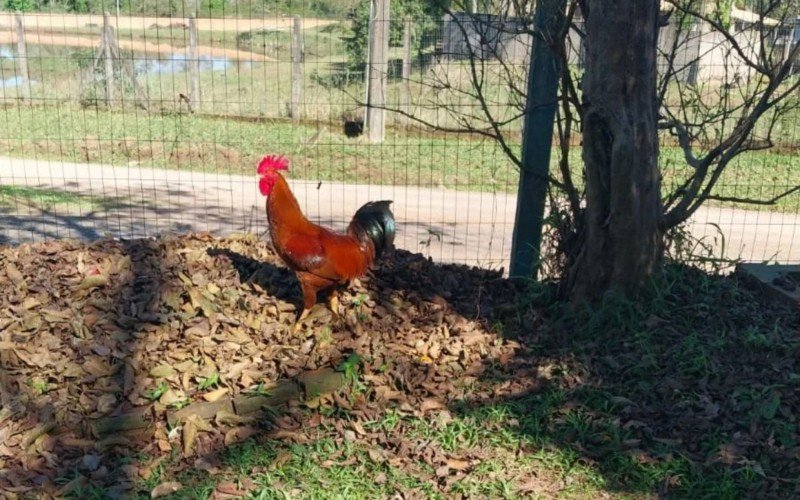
[747, 16]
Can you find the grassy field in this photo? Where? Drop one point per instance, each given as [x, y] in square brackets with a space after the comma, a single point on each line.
[13, 198]
[251, 102]
[320, 151]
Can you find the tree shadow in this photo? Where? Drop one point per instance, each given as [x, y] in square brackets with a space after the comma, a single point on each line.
[648, 402]
[688, 394]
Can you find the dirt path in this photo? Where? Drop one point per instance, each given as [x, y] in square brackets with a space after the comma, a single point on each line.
[78, 21]
[151, 49]
[450, 226]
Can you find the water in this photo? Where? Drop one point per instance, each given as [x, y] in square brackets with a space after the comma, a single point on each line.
[144, 64]
[14, 81]
[178, 63]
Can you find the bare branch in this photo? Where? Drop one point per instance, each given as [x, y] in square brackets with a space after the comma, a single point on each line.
[751, 201]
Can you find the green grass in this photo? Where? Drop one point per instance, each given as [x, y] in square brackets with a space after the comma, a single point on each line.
[42, 197]
[206, 8]
[230, 146]
[319, 470]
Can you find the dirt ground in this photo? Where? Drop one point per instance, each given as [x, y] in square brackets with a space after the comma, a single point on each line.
[39, 31]
[79, 21]
[152, 49]
[449, 226]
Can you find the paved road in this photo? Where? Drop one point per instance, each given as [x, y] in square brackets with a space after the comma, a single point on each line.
[450, 226]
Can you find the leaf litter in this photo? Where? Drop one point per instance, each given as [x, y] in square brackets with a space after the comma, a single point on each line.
[174, 346]
[103, 345]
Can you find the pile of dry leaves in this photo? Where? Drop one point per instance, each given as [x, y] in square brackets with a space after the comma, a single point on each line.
[116, 347]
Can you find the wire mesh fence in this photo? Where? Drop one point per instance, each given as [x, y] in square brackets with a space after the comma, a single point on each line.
[151, 119]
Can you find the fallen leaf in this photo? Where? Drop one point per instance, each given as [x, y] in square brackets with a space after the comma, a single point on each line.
[431, 404]
[165, 489]
[170, 397]
[162, 371]
[239, 434]
[90, 462]
[215, 394]
[282, 459]
[93, 281]
[457, 464]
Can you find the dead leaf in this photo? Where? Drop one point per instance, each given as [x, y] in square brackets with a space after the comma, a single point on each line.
[162, 371]
[282, 459]
[90, 462]
[93, 281]
[431, 404]
[165, 489]
[239, 434]
[14, 274]
[171, 397]
[216, 394]
[106, 403]
[457, 464]
[101, 350]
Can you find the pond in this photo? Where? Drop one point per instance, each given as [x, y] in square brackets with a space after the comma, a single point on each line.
[144, 64]
[179, 62]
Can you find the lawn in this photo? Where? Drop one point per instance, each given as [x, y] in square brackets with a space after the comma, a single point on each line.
[320, 151]
[449, 382]
[244, 114]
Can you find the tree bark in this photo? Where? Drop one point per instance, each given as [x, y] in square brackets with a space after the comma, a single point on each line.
[621, 243]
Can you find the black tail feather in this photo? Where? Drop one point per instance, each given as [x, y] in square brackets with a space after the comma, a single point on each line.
[375, 221]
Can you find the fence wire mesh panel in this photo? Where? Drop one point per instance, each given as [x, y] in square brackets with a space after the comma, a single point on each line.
[137, 118]
[714, 65]
[147, 121]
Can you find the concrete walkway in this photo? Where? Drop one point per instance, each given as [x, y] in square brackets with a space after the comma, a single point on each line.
[450, 226]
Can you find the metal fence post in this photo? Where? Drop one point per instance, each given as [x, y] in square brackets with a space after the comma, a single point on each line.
[406, 85]
[537, 140]
[378, 70]
[22, 59]
[194, 66]
[297, 70]
[108, 58]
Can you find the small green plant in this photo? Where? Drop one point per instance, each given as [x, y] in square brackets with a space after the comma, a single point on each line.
[350, 366]
[177, 405]
[350, 369]
[207, 383]
[39, 385]
[260, 390]
[157, 392]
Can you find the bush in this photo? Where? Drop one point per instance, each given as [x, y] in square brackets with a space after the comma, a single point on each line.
[22, 5]
[427, 17]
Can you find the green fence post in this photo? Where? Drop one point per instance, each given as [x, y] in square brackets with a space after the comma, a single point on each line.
[537, 139]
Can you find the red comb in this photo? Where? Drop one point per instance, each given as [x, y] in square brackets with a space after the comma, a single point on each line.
[273, 162]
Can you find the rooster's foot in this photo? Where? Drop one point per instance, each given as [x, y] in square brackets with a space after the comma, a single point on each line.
[299, 323]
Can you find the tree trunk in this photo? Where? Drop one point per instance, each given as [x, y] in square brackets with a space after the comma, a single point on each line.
[622, 246]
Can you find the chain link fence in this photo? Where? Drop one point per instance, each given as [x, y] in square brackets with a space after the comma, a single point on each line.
[149, 120]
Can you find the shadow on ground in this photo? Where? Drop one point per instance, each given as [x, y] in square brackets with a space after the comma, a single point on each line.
[693, 394]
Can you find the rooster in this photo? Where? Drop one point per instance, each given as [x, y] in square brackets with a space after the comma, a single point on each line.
[322, 259]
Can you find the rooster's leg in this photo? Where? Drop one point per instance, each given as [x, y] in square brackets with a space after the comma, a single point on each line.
[309, 284]
[299, 323]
